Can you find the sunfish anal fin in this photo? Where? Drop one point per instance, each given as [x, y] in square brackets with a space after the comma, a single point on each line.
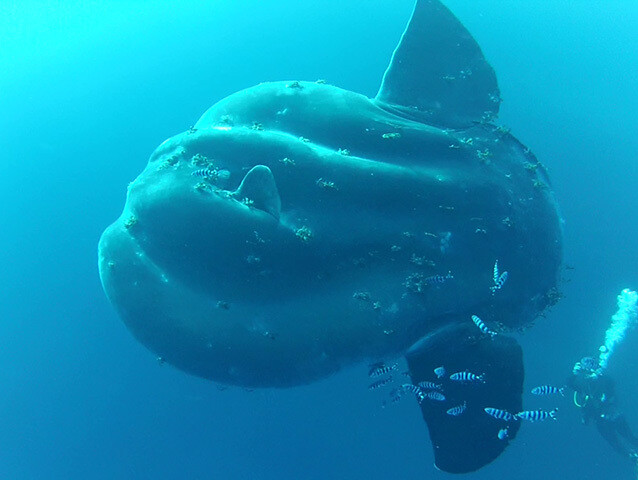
[259, 187]
[466, 442]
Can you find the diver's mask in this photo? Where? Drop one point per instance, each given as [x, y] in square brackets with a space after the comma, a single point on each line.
[587, 367]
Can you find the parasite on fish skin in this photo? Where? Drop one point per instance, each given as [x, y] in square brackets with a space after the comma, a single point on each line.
[440, 372]
[500, 414]
[503, 434]
[548, 390]
[537, 415]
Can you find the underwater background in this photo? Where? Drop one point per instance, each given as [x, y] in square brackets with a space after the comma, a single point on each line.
[88, 90]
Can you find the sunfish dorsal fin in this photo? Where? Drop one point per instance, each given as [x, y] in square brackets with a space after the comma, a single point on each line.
[438, 72]
[259, 187]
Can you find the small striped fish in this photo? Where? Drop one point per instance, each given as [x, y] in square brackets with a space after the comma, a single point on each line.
[481, 326]
[205, 173]
[432, 395]
[537, 415]
[395, 394]
[408, 387]
[430, 386]
[500, 414]
[499, 282]
[466, 377]
[458, 410]
[437, 279]
[548, 390]
[499, 279]
[380, 383]
[379, 369]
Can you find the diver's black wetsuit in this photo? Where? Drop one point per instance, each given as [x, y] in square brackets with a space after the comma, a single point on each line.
[595, 396]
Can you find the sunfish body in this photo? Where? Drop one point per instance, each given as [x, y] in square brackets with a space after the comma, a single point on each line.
[299, 228]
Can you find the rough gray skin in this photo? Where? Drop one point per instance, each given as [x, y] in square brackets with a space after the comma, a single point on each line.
[325, 264]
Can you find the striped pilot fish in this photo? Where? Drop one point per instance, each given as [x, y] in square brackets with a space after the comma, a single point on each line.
[500, 414]
[396, 394]
[481, 326]
[458, 410]
[438, 279]
[430, 386]
[433, 395]
[548, 390]
[466, 376]
[537, 415]
[499, 279]
[408, 387]
[380, 383]
[209, 173]
[379, 369]
[421, 394]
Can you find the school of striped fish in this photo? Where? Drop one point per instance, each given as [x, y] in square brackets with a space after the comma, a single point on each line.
[433, 391]
[499, 279]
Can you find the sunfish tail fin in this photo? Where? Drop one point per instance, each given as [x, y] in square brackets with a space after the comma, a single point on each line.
[438, 72]
[467, 442]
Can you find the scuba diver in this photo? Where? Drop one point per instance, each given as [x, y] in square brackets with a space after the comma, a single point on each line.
[594, 389]
[594, 395]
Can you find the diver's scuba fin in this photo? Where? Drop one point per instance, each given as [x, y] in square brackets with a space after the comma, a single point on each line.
[472, 439]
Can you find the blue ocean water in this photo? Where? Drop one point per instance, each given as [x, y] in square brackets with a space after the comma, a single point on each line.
[89, 89]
